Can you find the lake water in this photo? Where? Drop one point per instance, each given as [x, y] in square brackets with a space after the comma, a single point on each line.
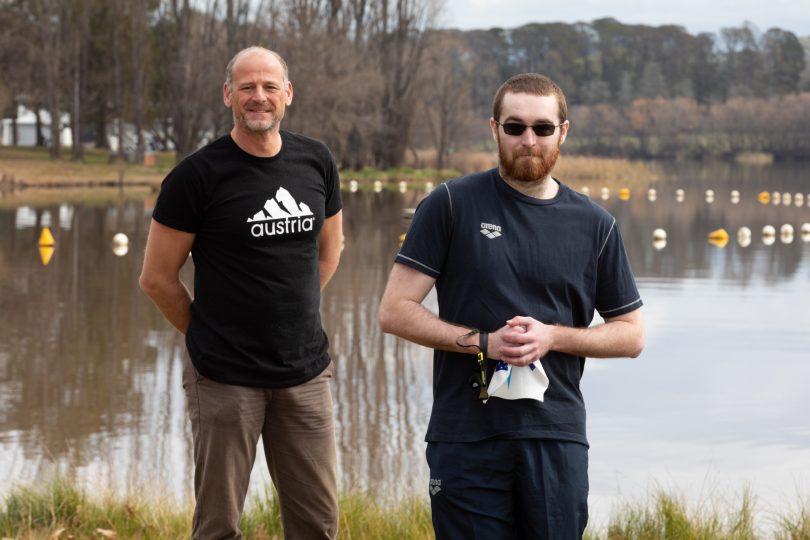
[90, 377]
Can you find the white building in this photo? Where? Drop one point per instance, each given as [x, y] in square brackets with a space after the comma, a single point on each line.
[27, 126]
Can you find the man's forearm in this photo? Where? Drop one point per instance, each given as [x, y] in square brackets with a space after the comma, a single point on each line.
[412, 321]
[174, 302]
[610, 340]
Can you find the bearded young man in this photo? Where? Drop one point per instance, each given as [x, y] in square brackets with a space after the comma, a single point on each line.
[260, 211]
[520, 262]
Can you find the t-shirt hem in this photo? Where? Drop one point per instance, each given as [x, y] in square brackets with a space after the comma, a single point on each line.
[260, 382]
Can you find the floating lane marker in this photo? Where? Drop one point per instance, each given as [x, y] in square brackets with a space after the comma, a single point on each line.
[718, 237]
[744, 237]
[764, 197]
[120, 244]
[805, 231]
[735, 196]
[46, 246]
[659, 239]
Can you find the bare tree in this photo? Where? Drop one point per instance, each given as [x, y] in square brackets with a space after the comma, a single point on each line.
[446, 102]
[398, 38]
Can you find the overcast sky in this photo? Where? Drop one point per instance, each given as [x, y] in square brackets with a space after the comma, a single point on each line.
[695, 15]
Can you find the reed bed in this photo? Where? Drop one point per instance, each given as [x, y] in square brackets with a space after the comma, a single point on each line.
[60, 510]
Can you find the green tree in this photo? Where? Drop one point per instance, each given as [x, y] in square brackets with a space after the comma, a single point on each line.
[783, 58]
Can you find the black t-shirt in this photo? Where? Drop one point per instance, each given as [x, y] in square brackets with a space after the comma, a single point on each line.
[496, 254]
[255, 317]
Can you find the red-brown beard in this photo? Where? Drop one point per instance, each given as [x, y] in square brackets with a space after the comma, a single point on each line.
[533, 168]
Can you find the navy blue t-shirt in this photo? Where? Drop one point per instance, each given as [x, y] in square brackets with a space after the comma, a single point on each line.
[255, 318]
[496, 254]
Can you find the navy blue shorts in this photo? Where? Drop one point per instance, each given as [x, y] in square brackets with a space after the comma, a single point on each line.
[501, 489]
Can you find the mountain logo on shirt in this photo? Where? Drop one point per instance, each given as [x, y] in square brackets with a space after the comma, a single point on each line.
[490, 231]
[281, 215]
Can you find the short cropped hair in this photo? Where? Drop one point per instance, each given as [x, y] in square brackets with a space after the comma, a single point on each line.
[248, 50]
[530, 83]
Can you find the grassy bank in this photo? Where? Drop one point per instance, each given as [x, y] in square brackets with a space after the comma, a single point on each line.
[26, 167]
[61, 511]
[32, 167]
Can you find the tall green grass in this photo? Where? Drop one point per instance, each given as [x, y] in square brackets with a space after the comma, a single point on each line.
[59, 510]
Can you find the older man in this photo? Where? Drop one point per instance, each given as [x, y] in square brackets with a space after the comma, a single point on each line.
[260, 211]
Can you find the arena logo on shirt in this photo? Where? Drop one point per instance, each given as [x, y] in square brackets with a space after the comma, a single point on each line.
[281, 215]
[490, 231]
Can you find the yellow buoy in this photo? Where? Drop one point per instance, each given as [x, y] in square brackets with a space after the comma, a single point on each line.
[718, 237]
[45, 254]
[624, 194]
[764, 197]
[401, 238]
[45, 237]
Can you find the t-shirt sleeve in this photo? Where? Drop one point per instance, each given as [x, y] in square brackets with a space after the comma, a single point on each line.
[616, 291]
[428, 238]
[180, 202]
[332, 179]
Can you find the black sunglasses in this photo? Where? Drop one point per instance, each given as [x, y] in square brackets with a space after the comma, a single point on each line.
[516, 129]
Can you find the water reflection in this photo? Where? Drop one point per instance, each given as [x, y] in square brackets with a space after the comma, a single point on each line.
[90, 372]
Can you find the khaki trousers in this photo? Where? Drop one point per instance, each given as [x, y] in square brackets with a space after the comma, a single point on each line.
[298, 435]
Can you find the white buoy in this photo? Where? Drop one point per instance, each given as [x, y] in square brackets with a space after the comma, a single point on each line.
[403, 186]
[805, 232]
[787, 199]
[652, 195]
[768, 230]
[428, 186]
[709, 196]
[776, 198]
[605, 193]
[377, 186]
[744, 236]
[659, 234]
[735, 196]
[798, 199]
[680, 195]
[659, 244]
[120, 244]
[353, 185]
[585, 190]
[786, 229]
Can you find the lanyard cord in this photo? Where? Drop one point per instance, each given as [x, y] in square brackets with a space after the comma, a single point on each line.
[483, 341]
